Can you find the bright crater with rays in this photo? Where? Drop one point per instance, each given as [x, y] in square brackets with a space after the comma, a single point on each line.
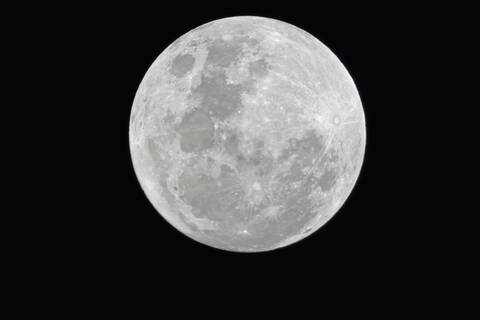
[247, 134]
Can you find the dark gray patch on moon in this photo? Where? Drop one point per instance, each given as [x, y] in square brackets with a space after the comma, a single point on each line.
[259, 68]
[231, 142]
[305, 150]
[196, 131]
[182, 64]
[223, 53]
[328, 179]
[218, 98]
[209, 197]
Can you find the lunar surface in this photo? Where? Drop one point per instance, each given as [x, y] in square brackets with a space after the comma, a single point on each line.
[247, 134]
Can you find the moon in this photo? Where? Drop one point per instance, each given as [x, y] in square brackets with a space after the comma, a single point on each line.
[247, 134]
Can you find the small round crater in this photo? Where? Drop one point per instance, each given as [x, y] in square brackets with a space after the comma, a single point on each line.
[336, 120]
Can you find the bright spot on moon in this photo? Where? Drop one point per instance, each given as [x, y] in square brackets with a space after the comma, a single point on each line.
[247, 134]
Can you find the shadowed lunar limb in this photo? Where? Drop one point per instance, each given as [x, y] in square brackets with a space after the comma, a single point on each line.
[247, 134]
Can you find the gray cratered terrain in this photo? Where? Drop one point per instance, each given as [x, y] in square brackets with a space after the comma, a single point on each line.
[247, 134]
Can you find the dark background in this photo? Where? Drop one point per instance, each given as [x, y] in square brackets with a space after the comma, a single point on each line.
[92, 62]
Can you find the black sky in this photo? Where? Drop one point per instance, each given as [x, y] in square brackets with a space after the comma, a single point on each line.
[90, 61]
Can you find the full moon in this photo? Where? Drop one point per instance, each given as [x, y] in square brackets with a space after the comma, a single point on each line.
[247, 134]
